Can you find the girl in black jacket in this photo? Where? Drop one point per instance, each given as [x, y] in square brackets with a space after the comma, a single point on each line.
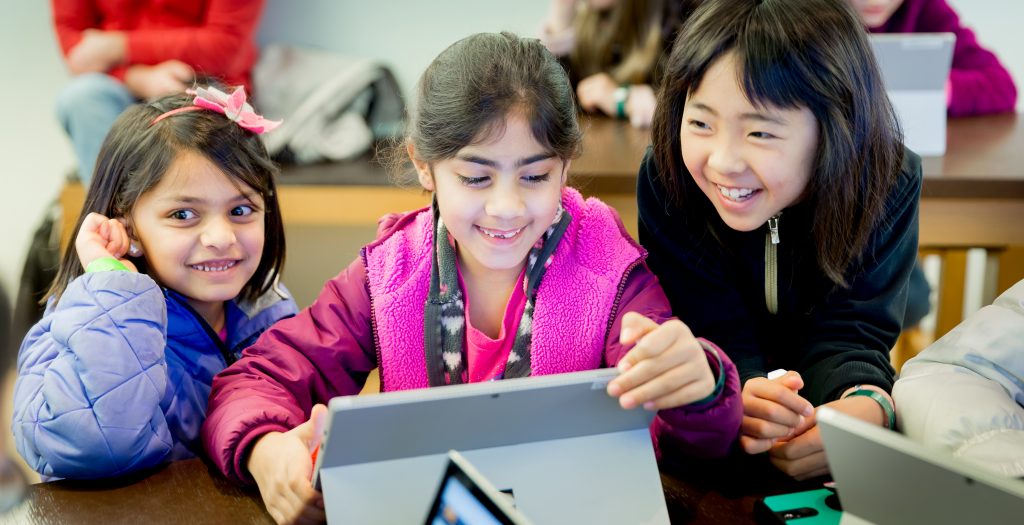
[780, 210]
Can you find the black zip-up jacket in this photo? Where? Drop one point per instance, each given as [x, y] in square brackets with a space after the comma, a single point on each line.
[835, 337]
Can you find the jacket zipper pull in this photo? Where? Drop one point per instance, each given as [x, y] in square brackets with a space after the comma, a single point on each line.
[773, 227]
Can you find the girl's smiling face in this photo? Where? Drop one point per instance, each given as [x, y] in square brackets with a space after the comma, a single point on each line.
[751, 162]
[201, 232]
[497, 196]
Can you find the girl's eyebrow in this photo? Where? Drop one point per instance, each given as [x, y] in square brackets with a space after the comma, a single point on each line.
[475, 159]
[760, 117]
[190, 199]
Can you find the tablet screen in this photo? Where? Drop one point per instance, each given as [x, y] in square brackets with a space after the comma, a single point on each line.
[461, 500]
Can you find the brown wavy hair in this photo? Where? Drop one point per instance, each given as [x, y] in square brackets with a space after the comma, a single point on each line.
[792, 54]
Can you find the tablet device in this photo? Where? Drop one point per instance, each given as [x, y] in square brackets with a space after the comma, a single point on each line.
[915, 68]
[884, 477]
[465, 497]
[559, 444]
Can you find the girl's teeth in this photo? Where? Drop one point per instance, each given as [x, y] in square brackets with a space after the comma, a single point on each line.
[735, 193]
[209, 268]
[495, 235]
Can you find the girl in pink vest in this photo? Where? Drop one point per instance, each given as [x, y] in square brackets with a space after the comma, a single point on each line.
[509, 273]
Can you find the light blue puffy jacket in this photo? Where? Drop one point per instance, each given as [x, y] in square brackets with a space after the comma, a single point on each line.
[116, 376]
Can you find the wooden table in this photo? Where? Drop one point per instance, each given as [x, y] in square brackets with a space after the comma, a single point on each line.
[973, 197]
[193, 492]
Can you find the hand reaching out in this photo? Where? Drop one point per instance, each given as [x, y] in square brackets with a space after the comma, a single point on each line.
[772, 410]
[666, 368]
[280, 463]
[802, 456]
[101, 237]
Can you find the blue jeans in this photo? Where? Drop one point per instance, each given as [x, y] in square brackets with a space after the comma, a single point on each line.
[87, 108]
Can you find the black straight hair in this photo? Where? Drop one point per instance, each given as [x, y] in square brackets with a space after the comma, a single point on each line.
[137, 153]
[791, 54]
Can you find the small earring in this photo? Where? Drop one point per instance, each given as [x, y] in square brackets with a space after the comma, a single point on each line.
[134, 250]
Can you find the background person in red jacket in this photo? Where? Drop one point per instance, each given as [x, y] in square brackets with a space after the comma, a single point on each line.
[122, 51]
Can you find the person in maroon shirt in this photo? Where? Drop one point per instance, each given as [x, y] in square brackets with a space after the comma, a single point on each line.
[123, 51]
[978, 83]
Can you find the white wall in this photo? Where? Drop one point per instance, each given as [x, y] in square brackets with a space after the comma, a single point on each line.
[34, 155]
[406, 33]
[997, 24]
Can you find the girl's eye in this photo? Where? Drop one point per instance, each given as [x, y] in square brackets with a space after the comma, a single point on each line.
[242, 211]
[537, 179]
[183, 215]
[762, 135]
[472, 181]
[698, 124]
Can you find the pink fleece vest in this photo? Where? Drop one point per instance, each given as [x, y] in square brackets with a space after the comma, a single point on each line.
[572, 314]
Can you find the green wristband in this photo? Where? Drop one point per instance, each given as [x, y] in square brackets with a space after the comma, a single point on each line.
[890, 413]
[621, 95]
[106, 264]
[719, 383]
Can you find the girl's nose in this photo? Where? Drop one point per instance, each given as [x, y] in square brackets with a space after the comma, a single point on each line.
[505, 202]
[218, 234]
[726, 158]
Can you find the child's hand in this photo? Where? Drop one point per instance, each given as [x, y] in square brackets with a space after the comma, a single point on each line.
[165, 78]
[97, 51]
[772, 410]
[640, 105]
[282, 467]
[803, 456]
[666, 368]
[597, 93]
[102, 237]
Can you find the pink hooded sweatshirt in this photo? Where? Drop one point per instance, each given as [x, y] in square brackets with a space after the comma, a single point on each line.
[371, 315]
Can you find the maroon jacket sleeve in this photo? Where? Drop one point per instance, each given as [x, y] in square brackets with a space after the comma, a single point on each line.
[326, 350]
[222, 45]
[707, 430]
[979, 83]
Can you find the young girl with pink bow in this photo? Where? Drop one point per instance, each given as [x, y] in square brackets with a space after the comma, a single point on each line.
[172, 273]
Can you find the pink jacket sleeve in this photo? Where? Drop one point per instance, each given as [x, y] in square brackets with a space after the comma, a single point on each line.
[326, 350]
[707, 430]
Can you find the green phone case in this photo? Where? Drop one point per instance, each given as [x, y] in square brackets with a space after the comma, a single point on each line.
[799, 508]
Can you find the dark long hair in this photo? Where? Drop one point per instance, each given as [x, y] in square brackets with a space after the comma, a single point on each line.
[472, 86]
[137, 153]
[796, 53]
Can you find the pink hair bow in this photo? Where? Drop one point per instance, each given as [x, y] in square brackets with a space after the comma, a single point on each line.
[234, 107]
